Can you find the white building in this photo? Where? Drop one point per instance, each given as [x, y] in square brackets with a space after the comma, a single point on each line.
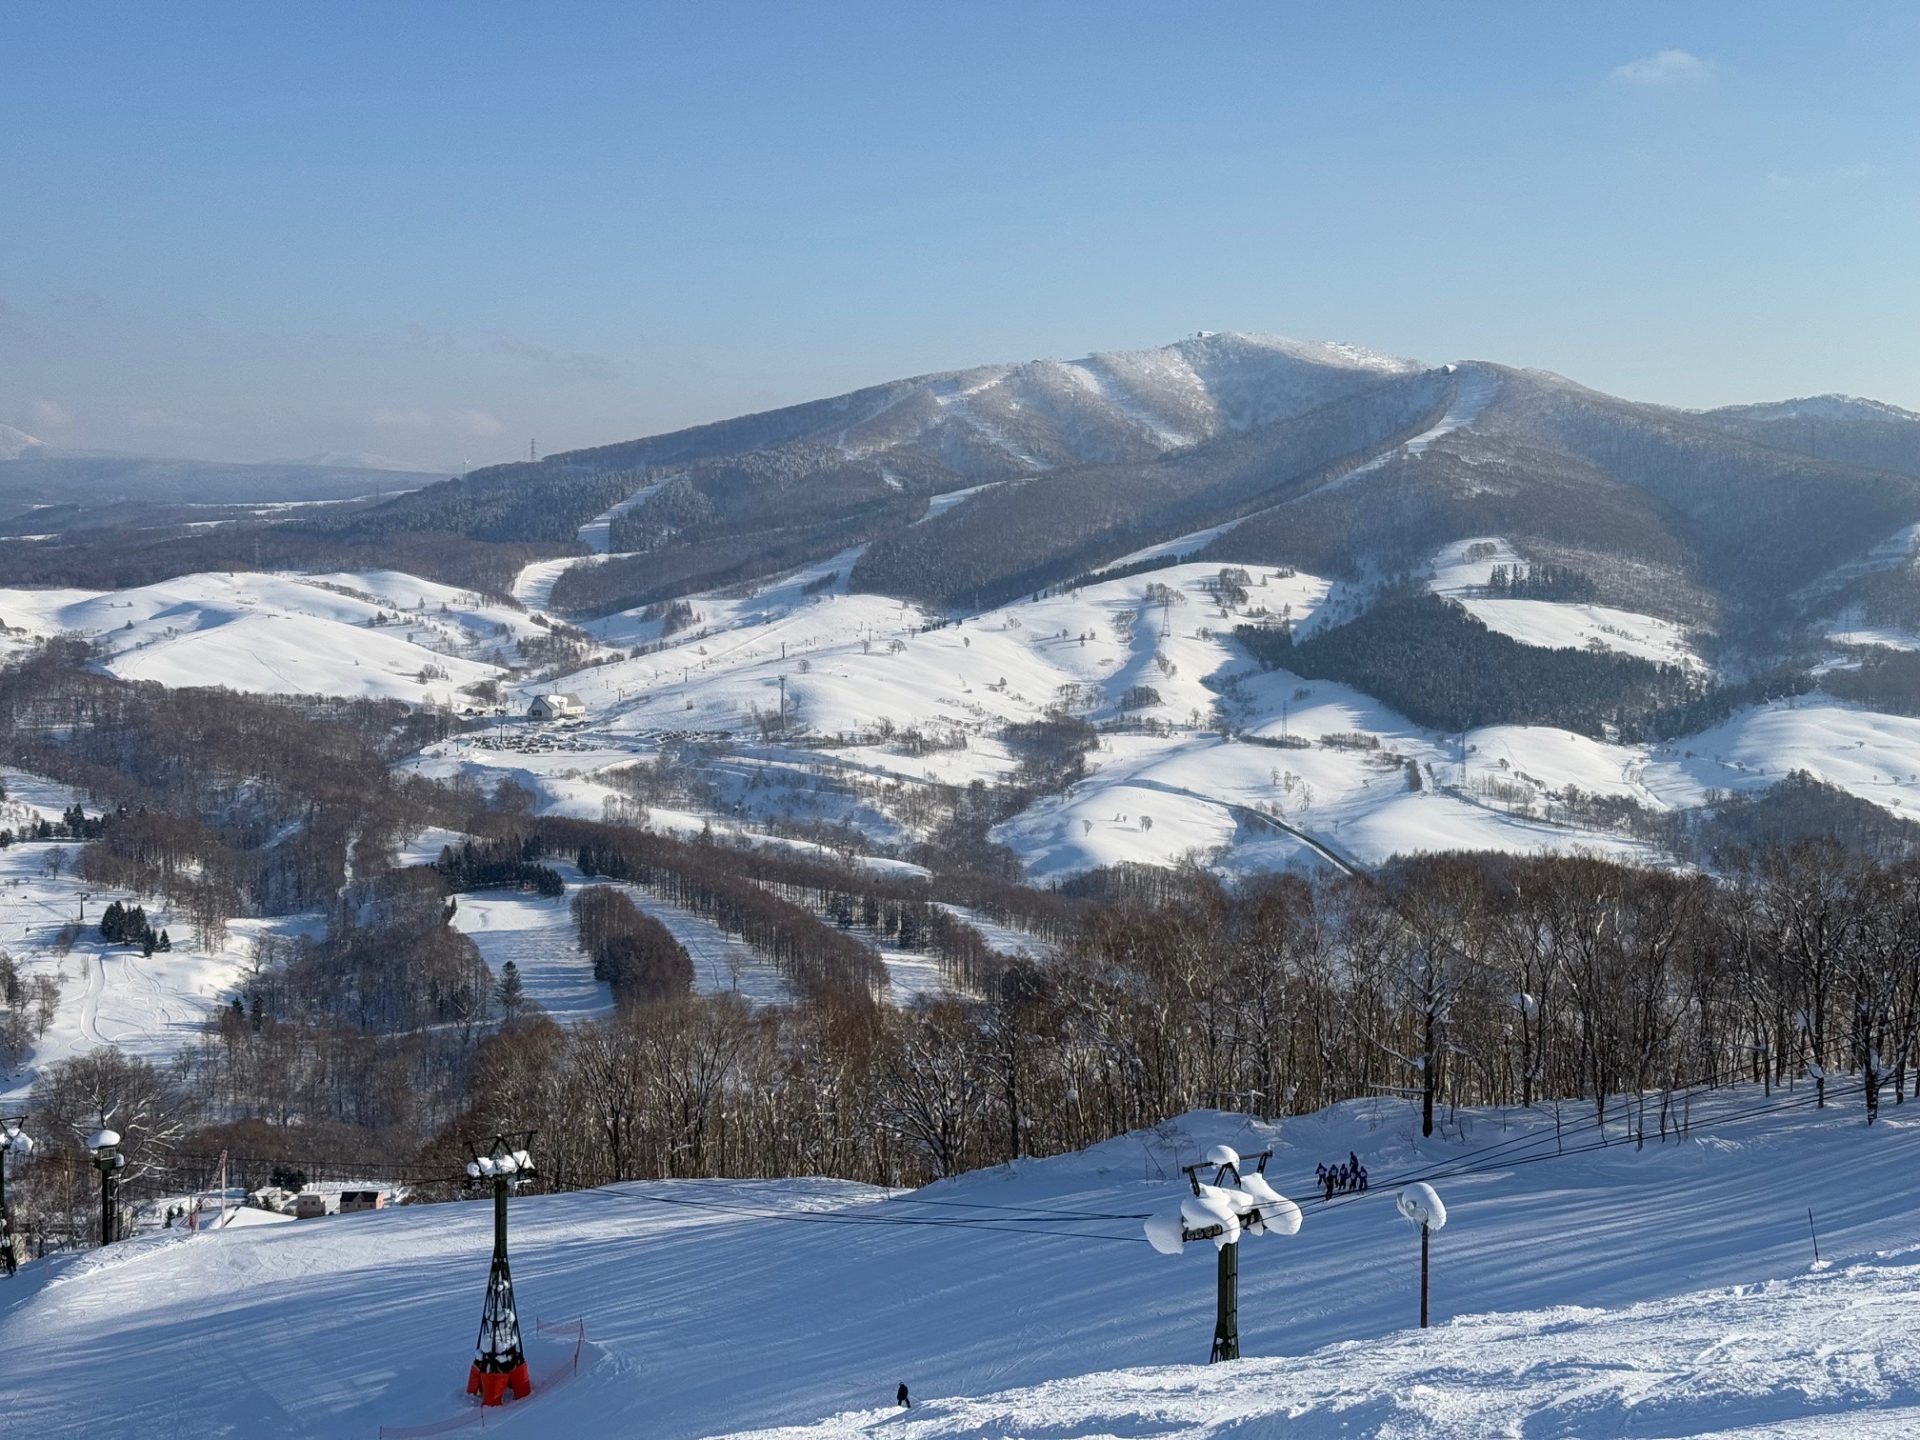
[555, 707]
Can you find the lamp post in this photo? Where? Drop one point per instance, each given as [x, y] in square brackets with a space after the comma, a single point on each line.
[105, 1145]
[13, 1140]
[1419, 1204]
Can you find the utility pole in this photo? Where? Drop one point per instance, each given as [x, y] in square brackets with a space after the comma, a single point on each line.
[499, 1361]
[783, 706]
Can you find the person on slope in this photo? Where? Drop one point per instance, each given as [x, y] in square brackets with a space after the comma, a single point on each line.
[901, 1398]
[1363, 1179]
[1326, 1179]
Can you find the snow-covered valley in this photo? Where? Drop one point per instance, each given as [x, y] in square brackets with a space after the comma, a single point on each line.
[806, 704]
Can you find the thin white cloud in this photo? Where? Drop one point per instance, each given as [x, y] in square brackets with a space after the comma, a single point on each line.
[478, 423]
[587, 366]
[1665, 67]
[153, 419]
[49, 414]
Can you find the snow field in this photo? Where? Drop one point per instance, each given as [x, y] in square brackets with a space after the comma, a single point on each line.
[284, 634]
[1553, 624]
[148, 1006]
[1567, 1295]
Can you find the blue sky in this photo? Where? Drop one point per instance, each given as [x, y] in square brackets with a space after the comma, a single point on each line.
[435, 231]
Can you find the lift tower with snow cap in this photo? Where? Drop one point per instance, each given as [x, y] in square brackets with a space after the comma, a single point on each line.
[499, 1360]
[1235, 1203]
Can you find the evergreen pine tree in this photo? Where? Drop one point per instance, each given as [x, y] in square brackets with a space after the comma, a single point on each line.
[509, 992]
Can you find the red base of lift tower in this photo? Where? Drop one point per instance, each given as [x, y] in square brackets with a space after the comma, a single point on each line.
[492, 1385]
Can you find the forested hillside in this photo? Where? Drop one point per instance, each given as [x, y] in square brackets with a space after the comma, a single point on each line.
[1022, 538]
[1437, 664]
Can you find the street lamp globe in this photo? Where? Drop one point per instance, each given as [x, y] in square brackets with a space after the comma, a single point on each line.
[13, 1139]
[105, 1145]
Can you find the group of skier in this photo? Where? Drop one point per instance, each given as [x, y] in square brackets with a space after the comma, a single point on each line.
[1343, 1177]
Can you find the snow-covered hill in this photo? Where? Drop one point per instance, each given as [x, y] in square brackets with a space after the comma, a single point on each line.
[1578, 1289]
[375, 633]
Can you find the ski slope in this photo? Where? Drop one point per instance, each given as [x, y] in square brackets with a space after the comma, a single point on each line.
[1737, 1361]
[149, 1006]
[1474, 389]
[379, 634]
[1461, 572]
[537, 935]
[1669, 1290]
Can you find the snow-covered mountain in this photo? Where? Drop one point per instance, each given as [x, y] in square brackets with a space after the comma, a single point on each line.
[1837, 427]
[899, 575]
[15, 443]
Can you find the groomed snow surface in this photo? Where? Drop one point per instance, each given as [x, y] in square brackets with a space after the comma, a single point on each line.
[1667, 1291]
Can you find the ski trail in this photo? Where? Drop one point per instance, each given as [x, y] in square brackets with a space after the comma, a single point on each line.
[90, 1002]
[597, 533]
[1471, 395]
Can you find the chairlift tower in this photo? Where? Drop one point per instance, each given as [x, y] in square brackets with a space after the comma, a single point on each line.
[1235, 1202]
[499, 1360]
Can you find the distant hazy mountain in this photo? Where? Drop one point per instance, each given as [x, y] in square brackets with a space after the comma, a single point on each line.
[1831, 427]
[34, 474]
[356, 460]
[15, 443]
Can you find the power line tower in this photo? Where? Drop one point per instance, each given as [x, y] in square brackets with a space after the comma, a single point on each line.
[499, 1361]
[1235, 1203]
